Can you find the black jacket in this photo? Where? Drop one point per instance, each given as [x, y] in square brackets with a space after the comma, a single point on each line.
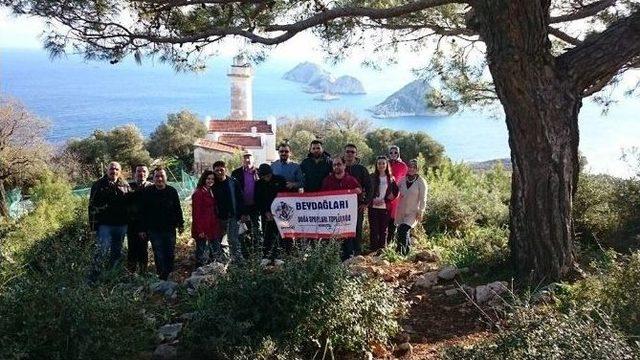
[266, 192]
[229, 203]
[315, 171]
[362, 175]
[135, 205]
[162, 210]
[108, 203]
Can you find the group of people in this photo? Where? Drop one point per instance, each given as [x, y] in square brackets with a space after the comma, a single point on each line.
[236, 206]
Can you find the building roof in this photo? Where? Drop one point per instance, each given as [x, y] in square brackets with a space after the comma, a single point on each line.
[241, 126]
[241, 140]
[217, 146]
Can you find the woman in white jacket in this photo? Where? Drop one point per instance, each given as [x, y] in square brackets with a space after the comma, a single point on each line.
[413, 199]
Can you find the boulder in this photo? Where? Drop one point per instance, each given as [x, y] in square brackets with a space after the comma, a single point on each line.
[451, 292]
[355, 260]
[169, 332]
[167, 288]
[427, 256]
[214, 268]
[427, 280]
[448, 273]
[165, 352]
[380, 262]
[195, 281]
[405, 347]
[485, 293]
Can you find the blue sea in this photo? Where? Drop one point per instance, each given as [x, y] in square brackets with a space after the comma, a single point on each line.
[78, 97]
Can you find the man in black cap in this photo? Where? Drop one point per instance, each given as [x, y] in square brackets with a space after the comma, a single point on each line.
[267, 188]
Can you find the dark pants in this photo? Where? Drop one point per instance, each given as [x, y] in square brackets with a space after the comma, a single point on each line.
[391, 230]
[357, 242]
[404, 239]
[164, 245]
[137, 254]
[108, 241]
[378, 224]
[250, 240]
[206, 250]
[273, 241]
[348, 248]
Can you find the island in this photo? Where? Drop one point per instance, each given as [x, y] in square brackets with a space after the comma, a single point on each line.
[410, 100]
[319, 81]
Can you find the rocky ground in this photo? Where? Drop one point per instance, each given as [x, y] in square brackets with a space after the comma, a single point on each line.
[444, 309]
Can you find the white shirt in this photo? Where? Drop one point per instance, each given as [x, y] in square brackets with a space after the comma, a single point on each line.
[382, 191]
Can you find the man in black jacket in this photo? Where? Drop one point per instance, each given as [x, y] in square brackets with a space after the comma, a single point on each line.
[229, 201]
[358, 171]
[137, 254]
[108, 217]
[315, 167]
[267, 188]
[161, 218]
[246, 176]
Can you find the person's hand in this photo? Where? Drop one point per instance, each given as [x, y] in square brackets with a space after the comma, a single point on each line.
[357, 190]
[268, 216]
[390, 197]
[362, 207]
[378, 202]
[202, 236]
[290, 185]
[142, 235]
[419, 217]
[244, 218]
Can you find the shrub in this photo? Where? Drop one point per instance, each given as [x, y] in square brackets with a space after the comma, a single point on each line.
[307, 304]
[480, 247]
[551, 335]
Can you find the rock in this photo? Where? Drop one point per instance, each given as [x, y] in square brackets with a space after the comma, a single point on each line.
[388, 278]
[408, 101]
[427, 280]
[355, 260]
[347, 85]
[319, 80]
[167, 288]
[405, 347]
[402, 337]
[358, 270]
[195, 281]
[305, 72]
[451, 292]
[448, 273]
[165, 352]
[427, 256]
[214, 268]
[464, 270]
[169, 332]
[484, 293]
[380, 262]
[379, 350]
[187, 316]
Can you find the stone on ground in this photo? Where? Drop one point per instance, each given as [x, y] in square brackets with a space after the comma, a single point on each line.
[169, 332]
[165, 352]
[427, 280]
[448, 273]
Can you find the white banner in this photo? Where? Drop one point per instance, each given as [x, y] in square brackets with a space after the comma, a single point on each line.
[315, 215]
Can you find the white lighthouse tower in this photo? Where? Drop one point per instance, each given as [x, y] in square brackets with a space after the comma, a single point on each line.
[241, 76]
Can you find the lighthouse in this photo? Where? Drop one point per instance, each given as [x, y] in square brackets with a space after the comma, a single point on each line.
[241, 77]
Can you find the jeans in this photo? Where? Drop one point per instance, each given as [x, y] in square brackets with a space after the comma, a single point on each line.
[357, 241]
[109, 238]
[206, 250]
[230, 231]
[164, 245]
[137, 251]
[378, 224]
[404, 239]
[250, 240]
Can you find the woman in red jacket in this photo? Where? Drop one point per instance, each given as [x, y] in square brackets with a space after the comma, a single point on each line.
[205, 228]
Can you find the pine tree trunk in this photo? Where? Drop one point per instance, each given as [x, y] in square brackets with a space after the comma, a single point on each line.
[4, 209]
[541, 108]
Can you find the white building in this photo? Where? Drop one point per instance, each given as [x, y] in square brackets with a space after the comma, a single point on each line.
[239, 132]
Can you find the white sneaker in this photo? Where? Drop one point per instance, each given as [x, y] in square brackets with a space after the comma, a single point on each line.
[278, 262]
[265, 262]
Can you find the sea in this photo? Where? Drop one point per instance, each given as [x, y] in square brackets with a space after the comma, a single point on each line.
[78, 97]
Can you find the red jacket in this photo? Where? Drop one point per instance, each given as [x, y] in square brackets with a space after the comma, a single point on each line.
[348, 182]
[205, 220]
[399, 171]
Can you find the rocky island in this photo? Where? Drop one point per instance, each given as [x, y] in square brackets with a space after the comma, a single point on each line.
[318, 80]
[410, 100]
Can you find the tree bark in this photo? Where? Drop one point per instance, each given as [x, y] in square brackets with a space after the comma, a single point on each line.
[4, 209]
[541, 107]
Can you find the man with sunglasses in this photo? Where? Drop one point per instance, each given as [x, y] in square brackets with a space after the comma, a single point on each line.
[358, 171]
[399, 170]
[288, 169]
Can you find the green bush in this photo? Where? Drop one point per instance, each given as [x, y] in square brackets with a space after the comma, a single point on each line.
[458, 199]
[308, 304]
[614, 292]
[607, 210]
[550, 335]
[479, 247]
